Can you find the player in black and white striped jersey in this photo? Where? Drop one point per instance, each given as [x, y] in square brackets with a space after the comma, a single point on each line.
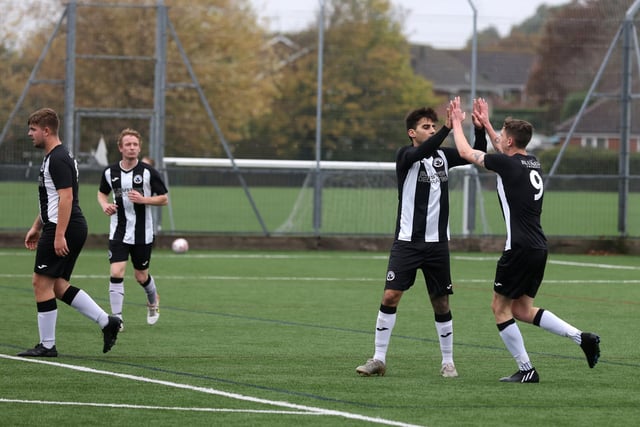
[136, 187]
[58, 233]
[422, 234]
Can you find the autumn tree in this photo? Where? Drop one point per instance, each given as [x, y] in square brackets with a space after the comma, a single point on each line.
[222, 42]
[368, 87]
[574, 43]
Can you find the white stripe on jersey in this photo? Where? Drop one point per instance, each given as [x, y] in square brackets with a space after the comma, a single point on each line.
[407, 205]
[53, 198]
[506, 211]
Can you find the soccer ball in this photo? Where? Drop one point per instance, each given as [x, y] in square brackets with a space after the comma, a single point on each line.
[180, 246]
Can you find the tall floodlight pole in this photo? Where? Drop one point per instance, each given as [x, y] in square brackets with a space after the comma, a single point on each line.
[469, 219]
[317, 193]
[70, 80]
[157, 136]
[157, 133]
[625, 125]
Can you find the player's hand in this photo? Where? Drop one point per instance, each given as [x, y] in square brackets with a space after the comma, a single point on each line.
[457, 115]
[31, 239]
[60, 246]
[135, 197]
[110, 209]
[481, 110]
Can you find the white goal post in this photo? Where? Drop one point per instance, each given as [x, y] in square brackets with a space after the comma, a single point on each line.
[340, 175]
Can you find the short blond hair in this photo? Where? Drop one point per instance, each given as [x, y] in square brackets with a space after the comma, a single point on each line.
[129, 131]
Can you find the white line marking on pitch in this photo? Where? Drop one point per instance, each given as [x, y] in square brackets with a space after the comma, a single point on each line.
[164, 408]
[311, 410]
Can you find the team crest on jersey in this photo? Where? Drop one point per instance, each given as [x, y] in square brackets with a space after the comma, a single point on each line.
[391, 276]
[137, 179]
[438, 162]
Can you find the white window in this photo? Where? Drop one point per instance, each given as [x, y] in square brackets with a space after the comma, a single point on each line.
[594, 142]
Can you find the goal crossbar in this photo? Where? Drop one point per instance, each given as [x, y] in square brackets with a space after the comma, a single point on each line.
[277, 164]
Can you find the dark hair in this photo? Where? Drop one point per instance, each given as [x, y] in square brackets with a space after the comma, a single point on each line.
[45, 118]
[520, 130]
[414, 117]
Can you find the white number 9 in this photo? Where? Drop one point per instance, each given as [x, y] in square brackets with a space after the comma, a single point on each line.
[536, 182]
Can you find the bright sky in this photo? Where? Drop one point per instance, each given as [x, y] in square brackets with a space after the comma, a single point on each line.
[443, 24]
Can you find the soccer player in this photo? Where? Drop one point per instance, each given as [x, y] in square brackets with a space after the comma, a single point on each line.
[521, 267]
[136, 186]
[58, 235]
[422, 234]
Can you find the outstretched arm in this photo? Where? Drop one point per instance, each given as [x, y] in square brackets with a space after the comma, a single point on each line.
[464, 149]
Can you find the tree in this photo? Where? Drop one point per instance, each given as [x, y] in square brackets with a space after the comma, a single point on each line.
[573, 46]
[222, 40]
[368, 87]
[523, 37]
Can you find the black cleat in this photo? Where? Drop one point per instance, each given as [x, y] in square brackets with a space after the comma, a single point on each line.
[40, 351]
[590, 344]
[530, 376]
[110, 333]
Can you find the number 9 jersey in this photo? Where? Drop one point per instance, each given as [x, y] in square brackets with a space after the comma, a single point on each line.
[520, 192]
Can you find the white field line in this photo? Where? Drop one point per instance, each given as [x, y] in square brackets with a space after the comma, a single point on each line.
[328, 256]
[163, 408]
[311, 410]
[337, 279]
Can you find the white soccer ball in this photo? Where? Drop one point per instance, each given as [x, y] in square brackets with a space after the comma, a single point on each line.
[180, 246]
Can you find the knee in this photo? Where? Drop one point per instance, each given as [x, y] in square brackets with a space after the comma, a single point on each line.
[141, 277]
[523, 313]
[391, 298]
[440, 304]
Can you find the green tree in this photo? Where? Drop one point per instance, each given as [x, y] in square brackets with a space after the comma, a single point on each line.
[368, 87]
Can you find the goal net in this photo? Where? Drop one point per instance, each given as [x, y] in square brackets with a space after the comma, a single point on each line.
[300, 198]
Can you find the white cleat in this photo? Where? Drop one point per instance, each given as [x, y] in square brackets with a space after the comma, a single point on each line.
[153, 311]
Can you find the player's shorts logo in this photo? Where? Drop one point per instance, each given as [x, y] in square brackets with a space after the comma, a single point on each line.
[391, 276]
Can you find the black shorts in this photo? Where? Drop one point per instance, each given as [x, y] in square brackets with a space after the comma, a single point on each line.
[430, 257]
[520, 272]
[140, 254]
[47, 262]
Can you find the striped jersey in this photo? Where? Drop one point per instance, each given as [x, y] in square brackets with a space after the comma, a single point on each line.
[132, 223]
[58, 170]
[423, 187]
[520, 192]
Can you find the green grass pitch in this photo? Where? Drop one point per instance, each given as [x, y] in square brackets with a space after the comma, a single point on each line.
[273, 338]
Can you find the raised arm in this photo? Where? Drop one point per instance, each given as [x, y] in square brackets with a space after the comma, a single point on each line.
[481, 114]
[464, 149]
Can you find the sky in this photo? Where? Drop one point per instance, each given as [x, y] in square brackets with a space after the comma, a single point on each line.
[444, 24]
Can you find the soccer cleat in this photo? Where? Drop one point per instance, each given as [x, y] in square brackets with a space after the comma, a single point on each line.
[590, 344]
[40, 351]
[110, 333]
[372, 367]
[119, 316]
[448, 370]
[153, 313]
[530, 376]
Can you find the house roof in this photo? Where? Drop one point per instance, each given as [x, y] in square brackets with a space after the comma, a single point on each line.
[450, 70]
[602, 117]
